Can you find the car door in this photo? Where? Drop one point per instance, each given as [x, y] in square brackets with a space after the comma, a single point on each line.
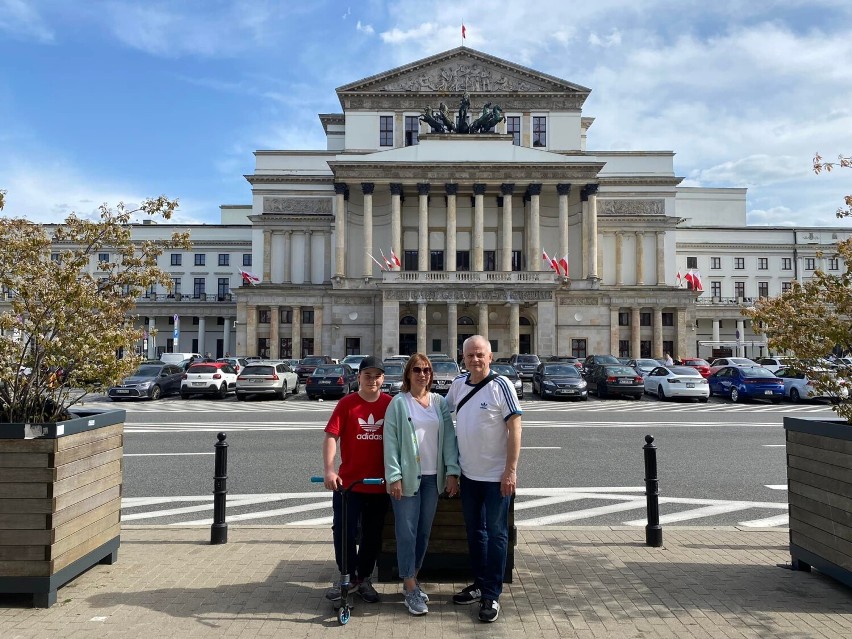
[723, 381]
[653, 379]
[171, 381]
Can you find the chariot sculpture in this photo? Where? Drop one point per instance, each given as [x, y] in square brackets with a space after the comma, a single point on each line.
[440, 120]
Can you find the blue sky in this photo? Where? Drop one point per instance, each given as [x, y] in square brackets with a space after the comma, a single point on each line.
[109, 100]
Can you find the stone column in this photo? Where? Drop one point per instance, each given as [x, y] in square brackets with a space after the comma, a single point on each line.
[423, 227]
[514, 328]
[635, 350]
[591, 191]
[478, 240]
[450, 261]
[614, 331]
[326, 271]
[251, 329]
[507, 190]
[341, 191]
[661, 257]
[296, 332]
[421, 327]
[367, 190]
[308, 257]
[318, 325]
[453, 329]
[546, 330]
[619, 262]
[152, 338]
[267, 255]
[535, 224]
[202, 334]
[563, 190]
[241, 327]
[226, 335]
[715, 336]
[483, 319]
[680, 321]
[658, 333]
[396, 226]
[274, 340]
[640, 258]
[288, 256]
[584, 226]
[740, 345]
[390, 327]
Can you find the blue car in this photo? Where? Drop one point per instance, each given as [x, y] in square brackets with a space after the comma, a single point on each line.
[741, 382]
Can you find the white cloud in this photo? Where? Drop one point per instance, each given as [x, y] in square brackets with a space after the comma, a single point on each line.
[753, 170]
[613, 39]
[21, 20]
[365, 28]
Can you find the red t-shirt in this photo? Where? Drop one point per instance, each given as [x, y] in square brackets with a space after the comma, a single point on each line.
[359, 425]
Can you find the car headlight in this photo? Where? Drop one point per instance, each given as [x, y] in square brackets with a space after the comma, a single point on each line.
[397, 384]
[144, 384]
[548, 383]
[581, 384]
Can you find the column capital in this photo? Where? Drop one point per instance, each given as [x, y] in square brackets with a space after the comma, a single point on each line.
[395, 188]
[451, 188]
[309, 232]
[507, 188]
[479, 188]
[423, 188]
[563, 189]
[534, 189]
[367, 188]
[340, 188]
[588, 190]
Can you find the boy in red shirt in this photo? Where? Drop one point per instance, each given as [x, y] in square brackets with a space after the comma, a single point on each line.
[358, 424]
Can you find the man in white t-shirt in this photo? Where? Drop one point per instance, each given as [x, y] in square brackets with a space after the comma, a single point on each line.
[488, 427]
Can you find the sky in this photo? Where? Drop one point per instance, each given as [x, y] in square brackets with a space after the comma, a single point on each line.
[112, 100]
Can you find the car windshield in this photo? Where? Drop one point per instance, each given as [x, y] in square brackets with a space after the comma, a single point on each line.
[684, 370]
[528, 359]
[258, 370]
[606, 359]
[202, 368]
[741, 361]
[313, 361]
[444, 367]
[758, 371]
[147, 371]
[696, 362]
[647, 363]
[620, 370]
[563, 370]
[328, 371]
[393, 369]
[504, 369]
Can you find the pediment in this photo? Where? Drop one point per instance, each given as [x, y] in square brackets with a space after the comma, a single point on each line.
[462, 70]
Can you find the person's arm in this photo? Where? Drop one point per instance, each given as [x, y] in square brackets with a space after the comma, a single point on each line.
[509, 481]
[329, 450]
[390, 442]
[450, 449]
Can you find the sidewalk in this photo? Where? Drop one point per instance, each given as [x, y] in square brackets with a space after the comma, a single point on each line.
[569, 582]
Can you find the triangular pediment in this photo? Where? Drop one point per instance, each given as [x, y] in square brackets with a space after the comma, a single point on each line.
[462, 70]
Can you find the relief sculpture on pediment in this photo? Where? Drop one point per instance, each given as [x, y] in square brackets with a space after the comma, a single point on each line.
[631, 207]
[298, 205]
[457, 77]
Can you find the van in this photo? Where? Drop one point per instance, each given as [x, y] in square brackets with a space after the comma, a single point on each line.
[177, 358]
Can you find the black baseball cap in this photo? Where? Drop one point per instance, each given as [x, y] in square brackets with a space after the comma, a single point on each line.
[371, 362]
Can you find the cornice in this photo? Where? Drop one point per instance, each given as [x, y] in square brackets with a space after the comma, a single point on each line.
[662, 180]
[465, 172]
[289, 179]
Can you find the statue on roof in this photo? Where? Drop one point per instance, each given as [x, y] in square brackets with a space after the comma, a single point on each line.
[441, 121]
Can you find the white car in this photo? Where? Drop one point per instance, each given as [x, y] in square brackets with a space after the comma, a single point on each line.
[354, 361]
[721, 362]
[208, 378]
[267, 378]
[775, 363]
[798, 387]
[667, 382]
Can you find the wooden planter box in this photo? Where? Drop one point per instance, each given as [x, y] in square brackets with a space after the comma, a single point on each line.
[819, 478]
[447, 558]
[60, 501]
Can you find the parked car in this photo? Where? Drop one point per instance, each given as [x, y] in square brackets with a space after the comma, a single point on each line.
[237, 362]
[566, 359]
[353, 360]
[267, 378]
[443, 374]
[643, 366]
[398, 358]
[667, 382]
[309, 364]
[559, 380]
[331, 380]
[392, 383]
[615, 379]
[798, 386]
[152, 380]
[701, 365]
[593, 361]
[177, 358]
[508, 371]
[439, 357]
[746, 382]
[208, 378]
[719, 362]
[775, 363]
[525, 364]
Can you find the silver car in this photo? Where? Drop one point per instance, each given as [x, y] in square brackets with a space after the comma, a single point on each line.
[443, 374]
[267, 378]
[392, 383]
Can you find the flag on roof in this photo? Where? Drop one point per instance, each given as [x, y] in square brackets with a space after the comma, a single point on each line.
[679, 279]
[464, 31]
[564, 264]
[249, 278]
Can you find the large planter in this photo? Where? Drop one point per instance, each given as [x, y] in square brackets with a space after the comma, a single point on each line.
[819, 479]
[60, 501]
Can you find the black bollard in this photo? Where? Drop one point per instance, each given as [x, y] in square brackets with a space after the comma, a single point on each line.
[653, 530]
[219, 529]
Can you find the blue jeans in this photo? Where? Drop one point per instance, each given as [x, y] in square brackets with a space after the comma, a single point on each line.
[486, 517]
[366, 510]
[413, 518]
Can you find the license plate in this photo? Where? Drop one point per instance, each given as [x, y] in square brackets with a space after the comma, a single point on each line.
[625, 381]
[198, 383]
[690, 385]
[122, 392]
[769, 392]
[325, 381]
[257, 381]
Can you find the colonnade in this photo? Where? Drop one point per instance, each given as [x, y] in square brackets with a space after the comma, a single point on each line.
[287, 275]
[639, 239]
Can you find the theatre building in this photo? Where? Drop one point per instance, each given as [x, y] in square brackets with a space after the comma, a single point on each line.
[467, 168]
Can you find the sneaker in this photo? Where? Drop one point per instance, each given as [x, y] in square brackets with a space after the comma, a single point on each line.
[467, 596]
[414, 602]
[333, 593]
[488, 610]
[421, 592]
[367, 592]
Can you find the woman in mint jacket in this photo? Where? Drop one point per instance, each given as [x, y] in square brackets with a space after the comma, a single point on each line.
[421, 461]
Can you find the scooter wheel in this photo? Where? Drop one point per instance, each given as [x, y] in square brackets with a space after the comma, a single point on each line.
[343, 615]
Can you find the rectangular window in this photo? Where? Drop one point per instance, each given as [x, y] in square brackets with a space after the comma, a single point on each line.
[246, 259]
[623, 318]
[763, 289]
[177, 259]
[739, 289]
[223, 288]
[436, 260]
[286, 316]
[833, 264]
[352, 345]
[385, 130]
[691, 262]
[645, 348]
[489, 260]
[462, 260]
[285, 347]
[54, 257]
[263, 316]
[307, 316]
[198, 287]
[786, 286]
[810, 264]
[263, 347]
[409, 261]
[513, 127]
[412, 130]
[668, 347]
[786, 263]
[517, 261]
[624, 348]
[220, 321]
[762, 263]
[200, 259]
[194, 323]
[307, 347]
[495, 345]
[644, 319]
[539, 131]
[739, 263]
[716, 289]
[715, 262]
[668, 319]
[224, 259]
[578, 348]
[175, 288]
[103, 257]
[436, 346]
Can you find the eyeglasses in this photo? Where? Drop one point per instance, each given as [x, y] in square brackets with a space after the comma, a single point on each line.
[417, 370]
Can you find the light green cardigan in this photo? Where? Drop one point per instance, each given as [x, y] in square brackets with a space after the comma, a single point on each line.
[402, 455]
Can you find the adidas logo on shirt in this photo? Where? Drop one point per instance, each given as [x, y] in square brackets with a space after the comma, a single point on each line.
[370, 426]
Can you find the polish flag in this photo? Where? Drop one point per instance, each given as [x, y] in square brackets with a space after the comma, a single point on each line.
[690, 281]
[388, 263]
[551, 261]
[395, 259]
[249, 278]
[564, 264]
[696, 281]
[464, 32]
[679, 279]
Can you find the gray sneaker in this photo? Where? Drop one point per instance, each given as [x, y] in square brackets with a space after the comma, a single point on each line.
[333, 593]
[421, 592]
[414, 602]
[367, 592]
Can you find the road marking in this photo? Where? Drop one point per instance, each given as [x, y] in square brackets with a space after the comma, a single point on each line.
[776, 486]
[163, 454]
[769, 522]
[695, 513]
[774, 445]
[632, 504]
[259, 515]
[541, 447]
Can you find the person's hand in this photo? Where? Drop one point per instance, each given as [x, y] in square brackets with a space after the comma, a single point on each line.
[508, 483]
[395, 489]
[332, 480]
[452, 486]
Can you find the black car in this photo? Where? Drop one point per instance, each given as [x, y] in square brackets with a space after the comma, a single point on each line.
[150, 381]
[593, 361]
[331, 380]
[559, 380]
[507, 370]
[308, 364]
[616, 379]
[525, 364]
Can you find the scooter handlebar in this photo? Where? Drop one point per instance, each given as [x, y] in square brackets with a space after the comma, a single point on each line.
[374, 481]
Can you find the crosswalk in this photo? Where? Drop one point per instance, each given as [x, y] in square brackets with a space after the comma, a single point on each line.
[533, 507]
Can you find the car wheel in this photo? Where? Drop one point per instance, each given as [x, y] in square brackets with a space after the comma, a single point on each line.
[282, 394]
[184, 395]
[735, 394]
[240, 397]
[311, 396]
[296, 388]
[661, 393]
[638, 398]
[601, 392]
[156, 393]
[223, 390]
[794, 396]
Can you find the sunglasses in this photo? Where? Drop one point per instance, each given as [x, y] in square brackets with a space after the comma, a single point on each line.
[417, 370]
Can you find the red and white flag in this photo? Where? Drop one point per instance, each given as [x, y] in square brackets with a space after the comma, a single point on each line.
[249, 278]
[550, 260]
[690, 281]
[464, 32]
[679, 279]
[696, 281]
[388, 263]
[564, 264]
[395, 259]
[379, 264]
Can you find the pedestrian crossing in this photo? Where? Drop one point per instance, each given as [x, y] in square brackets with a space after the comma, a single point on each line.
[534, 507]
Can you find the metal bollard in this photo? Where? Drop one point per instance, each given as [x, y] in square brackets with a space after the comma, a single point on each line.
[219, 529]
[653, 530]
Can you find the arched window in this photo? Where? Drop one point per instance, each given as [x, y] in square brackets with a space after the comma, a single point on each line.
[523, 321]
[408, 320]
[464, 320]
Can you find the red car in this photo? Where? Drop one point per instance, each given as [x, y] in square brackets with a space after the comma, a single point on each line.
[699, 364]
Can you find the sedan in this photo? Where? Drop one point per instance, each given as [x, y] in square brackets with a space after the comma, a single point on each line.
[338, 380]
[643, 366]
[611, 379]
[741, 382]
[209, 378]
[392, 383]
[698, 364]
[508, 371]
[719, 362]
[267, 378]
[150, 381]
[677, 381]
[559, 380]
[798, 387]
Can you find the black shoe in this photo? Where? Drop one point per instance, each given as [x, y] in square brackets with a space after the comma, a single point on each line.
[488, 610]
[467, 596]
